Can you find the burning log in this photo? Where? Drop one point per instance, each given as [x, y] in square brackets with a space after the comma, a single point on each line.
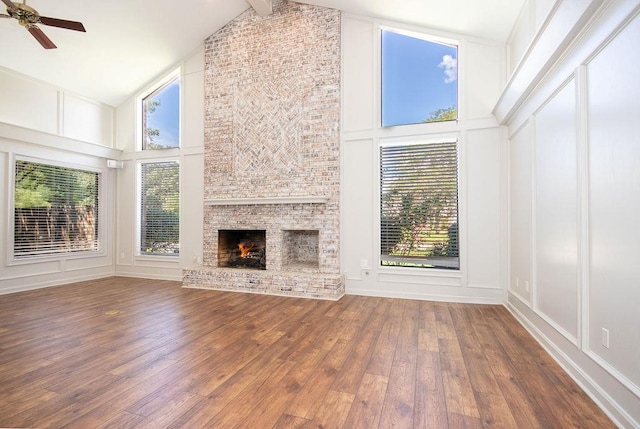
[246, 247]
[252, 259]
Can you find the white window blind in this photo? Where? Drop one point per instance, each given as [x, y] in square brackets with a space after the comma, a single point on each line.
[419, 205]
[55, 210]
[160, 208]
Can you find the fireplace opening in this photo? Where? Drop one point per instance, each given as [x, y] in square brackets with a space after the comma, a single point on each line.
[242, 248]
[300, 250]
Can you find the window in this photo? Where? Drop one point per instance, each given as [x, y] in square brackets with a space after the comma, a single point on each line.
[161, 116]
[419, 205]
[419, 79]
[160, 208]
[55, 210]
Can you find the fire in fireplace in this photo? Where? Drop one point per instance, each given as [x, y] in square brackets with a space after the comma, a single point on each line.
[240, 248]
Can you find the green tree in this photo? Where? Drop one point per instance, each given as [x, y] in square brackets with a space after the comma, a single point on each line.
[441, 115]
[418, 200]
[149, 108]
[55, 207]
[160, 208]
[42, 185]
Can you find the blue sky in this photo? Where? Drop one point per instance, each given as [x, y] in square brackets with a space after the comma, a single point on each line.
[418, 77]
[166, 117]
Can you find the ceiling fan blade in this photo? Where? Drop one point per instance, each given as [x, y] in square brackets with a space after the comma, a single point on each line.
[61, 23]
[9, 4]
[41, 37]
[2, 15]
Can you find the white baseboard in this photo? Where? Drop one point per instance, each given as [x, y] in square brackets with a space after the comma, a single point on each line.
[586, 382]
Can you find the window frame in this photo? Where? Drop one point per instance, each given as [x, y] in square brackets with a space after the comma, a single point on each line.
[100, 251]
[432, 37]
[423, 132]
[417, 139]
[155, 87]
[138, 240]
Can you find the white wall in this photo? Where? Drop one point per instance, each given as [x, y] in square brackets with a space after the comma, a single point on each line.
[47, 123]
[482, 178]
[520, 197]
[190, 156]
[574, 155]
[36, 105]
[536, 43]
[531, 18]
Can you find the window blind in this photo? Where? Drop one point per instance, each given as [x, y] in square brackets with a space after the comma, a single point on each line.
[55, 210]
[419, 205]
[160, 208]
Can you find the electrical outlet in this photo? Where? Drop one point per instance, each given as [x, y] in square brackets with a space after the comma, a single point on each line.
[196, 259]
[364, 264]
[526, 285]
[605, 337]
[121, 255]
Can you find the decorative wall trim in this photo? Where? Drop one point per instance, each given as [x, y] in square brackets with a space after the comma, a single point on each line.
[559, 31]
[24, 286]
[25, 135]
[483, 296]
[264, 200]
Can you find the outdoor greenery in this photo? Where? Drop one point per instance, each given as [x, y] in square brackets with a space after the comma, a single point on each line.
[42, 185]
[418, 226]
[55, 209]
[160, 222]
[441, 115]
[148, 108]
[419, 204]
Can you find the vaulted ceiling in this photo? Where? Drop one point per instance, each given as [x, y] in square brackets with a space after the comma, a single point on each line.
[129, 42]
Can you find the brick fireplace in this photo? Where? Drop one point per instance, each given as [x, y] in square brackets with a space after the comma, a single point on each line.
[271, 161]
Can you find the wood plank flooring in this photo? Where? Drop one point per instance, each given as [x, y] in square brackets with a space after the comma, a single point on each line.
[132, 353]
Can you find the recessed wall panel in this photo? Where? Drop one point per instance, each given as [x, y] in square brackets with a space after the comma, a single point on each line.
[556, 228]
[520, 195]
[614, 202]
[358, 241]
[87, 120]
[486, 71]
[28, 103]
[358, 68]
[484, 166]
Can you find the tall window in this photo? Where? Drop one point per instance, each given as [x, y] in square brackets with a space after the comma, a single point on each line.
[160, 208]
[161, 117]
[419, 205]
[419, 79]
[55, 210]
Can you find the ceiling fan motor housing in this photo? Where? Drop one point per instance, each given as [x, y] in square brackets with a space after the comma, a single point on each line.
[25, 15]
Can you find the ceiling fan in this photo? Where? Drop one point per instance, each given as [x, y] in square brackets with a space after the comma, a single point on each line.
[28, 17]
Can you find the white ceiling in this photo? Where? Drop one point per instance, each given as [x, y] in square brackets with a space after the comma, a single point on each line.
[130, 42]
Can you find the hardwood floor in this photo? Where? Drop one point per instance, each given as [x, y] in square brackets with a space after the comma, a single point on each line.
[120, 353]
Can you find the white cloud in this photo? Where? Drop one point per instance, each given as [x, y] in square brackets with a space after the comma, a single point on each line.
[450, 66]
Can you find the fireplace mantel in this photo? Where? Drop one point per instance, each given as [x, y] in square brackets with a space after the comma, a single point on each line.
[264, 200]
